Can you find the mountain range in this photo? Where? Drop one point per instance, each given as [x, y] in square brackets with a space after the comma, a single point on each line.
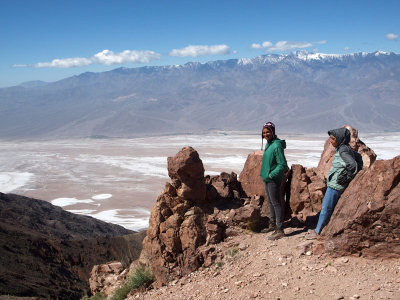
[300, 92]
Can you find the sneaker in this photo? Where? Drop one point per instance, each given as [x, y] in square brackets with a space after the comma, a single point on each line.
[312, 235]
[277, 235]
[269, 229]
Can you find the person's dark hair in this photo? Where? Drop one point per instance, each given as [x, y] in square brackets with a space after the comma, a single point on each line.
[271, 127]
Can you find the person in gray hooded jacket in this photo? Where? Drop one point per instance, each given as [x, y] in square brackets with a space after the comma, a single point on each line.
[345, 165]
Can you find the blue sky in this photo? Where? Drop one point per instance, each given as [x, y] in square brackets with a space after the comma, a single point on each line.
[50, 40]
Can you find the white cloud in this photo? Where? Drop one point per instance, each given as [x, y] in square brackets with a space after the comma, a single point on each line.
[256, 46]
[392, 36]
[108, 57]
[266, 44]
[284, 45]
[105, 57]
[200, 50]
[346, 48]
[65, 63]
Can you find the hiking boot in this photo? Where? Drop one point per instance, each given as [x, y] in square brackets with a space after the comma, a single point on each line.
[271, 227]
[277, 235]
[313, 235]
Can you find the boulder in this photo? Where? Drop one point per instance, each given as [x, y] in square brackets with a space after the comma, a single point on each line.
[250, 179]
[306, 192]
[104, 277]
[366, 220]
[367, 154]
[187, 174]
[225, 186]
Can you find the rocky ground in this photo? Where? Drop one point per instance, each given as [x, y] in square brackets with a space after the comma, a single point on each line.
[254, 267]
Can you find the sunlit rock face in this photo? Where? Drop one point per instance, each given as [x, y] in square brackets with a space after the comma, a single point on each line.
[250, 176]
[191, 215]
[366, 219]
[186, 171]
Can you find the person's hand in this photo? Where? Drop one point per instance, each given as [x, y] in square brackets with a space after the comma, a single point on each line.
[342, 178]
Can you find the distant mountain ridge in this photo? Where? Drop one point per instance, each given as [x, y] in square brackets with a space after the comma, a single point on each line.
[300, 92]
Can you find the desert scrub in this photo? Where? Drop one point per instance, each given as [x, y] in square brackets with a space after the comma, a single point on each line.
[97, 296]
[253, 226]
[140, 276]
[232, 252]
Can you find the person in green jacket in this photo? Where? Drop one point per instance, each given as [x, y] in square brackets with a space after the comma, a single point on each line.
[345, 165]
[273, 169]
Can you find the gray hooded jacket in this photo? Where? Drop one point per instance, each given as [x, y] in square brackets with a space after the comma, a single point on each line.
[346, 163]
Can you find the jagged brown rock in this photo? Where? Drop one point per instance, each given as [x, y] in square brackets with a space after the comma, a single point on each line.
[366, 219]
[306, 193]
[187, 174]
[176, 226]
[225, 186]
[103, 277]
[250, 179]
[191, 215]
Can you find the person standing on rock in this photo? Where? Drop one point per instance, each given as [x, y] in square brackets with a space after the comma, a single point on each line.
[273, 169]
[345, 165]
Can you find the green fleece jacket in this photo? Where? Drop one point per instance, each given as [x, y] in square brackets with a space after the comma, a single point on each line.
[274, 162]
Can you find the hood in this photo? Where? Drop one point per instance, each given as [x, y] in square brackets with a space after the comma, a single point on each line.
[342, 136]
[282, 142]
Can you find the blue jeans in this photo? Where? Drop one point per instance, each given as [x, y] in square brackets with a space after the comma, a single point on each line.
[328, 205]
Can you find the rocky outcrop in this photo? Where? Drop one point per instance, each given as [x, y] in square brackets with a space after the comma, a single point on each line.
[224, 186]
[191, 215]
[366, 219]
[48, 252]
[187, 174]
[177, 221]
[104, 277]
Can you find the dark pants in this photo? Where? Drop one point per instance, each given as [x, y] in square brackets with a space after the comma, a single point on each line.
[273, 191]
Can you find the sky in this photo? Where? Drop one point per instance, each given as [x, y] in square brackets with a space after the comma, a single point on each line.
[50, 40]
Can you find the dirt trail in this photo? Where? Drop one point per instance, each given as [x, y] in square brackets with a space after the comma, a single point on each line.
[254, 267]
